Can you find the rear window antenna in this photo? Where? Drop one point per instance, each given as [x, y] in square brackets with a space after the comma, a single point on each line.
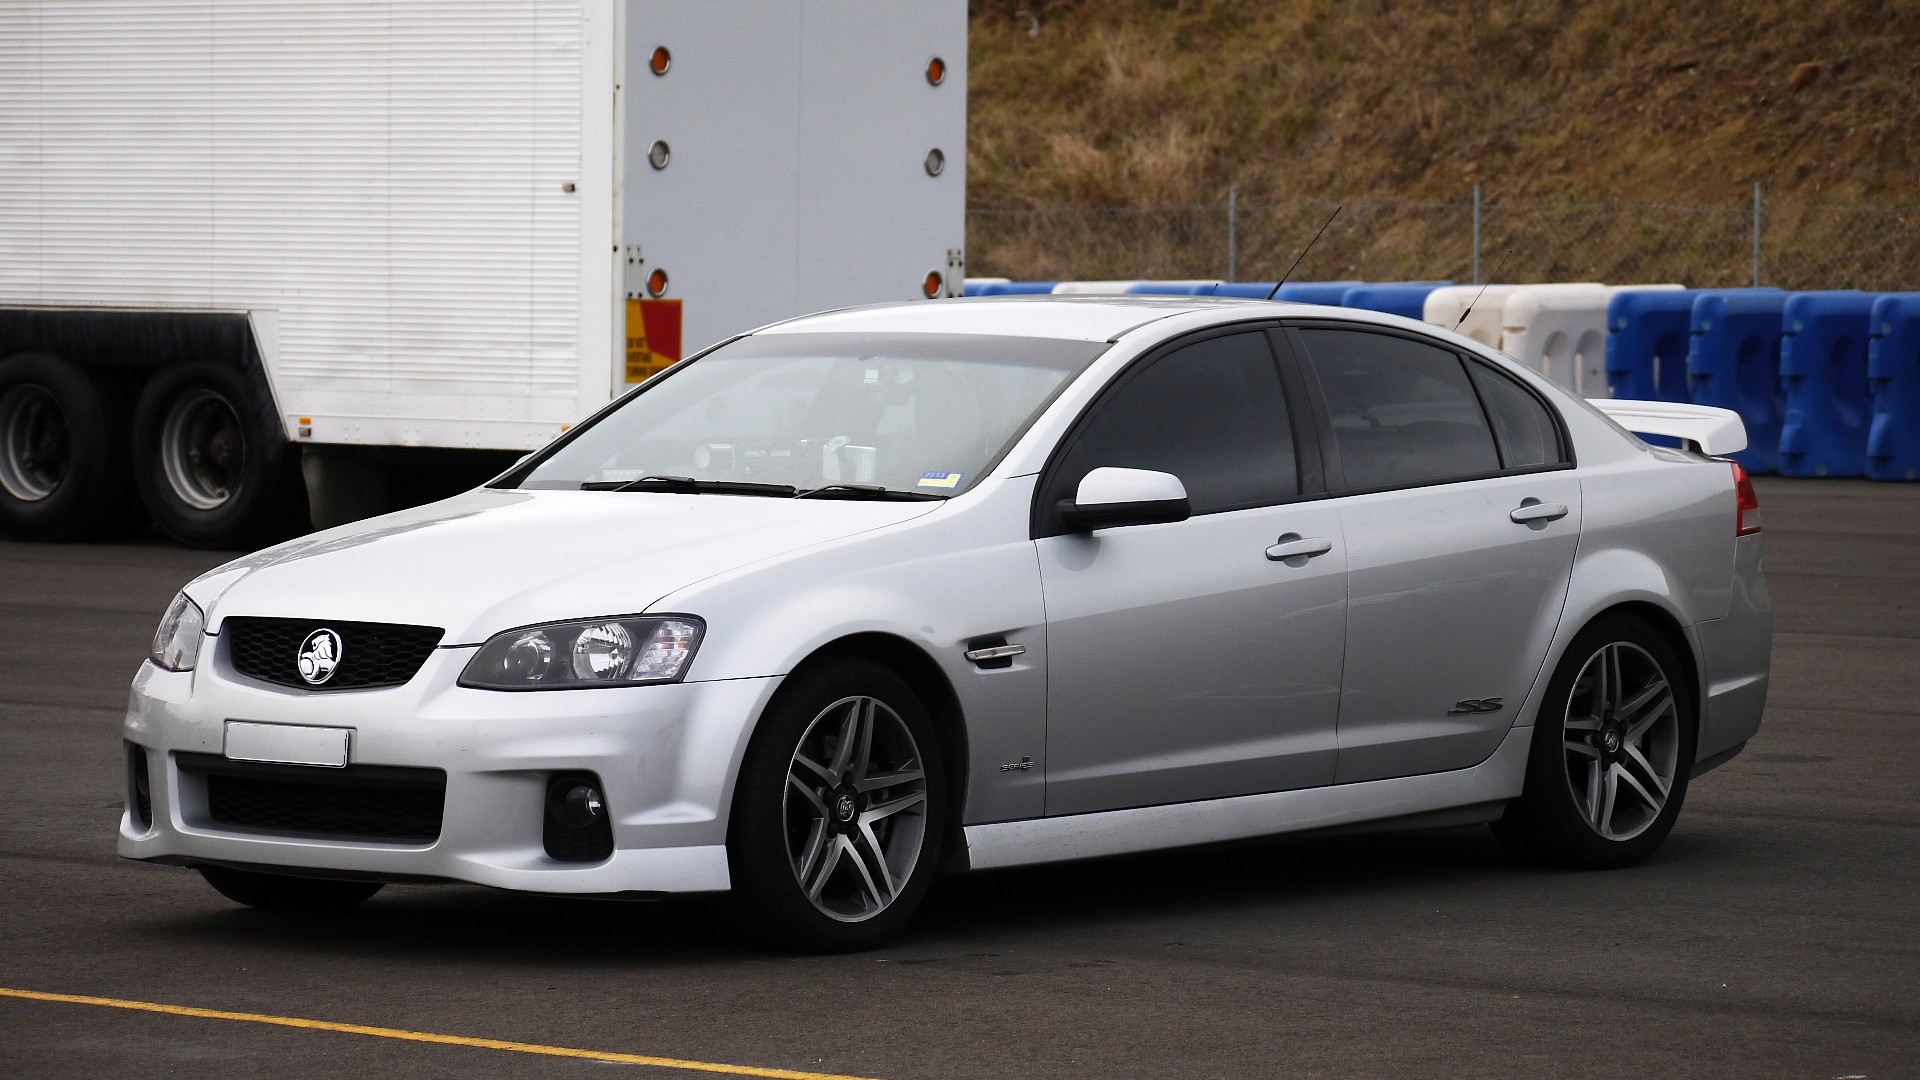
[1304, 250]
[1483, 290]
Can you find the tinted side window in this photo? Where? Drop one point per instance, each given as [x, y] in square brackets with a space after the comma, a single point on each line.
[1527, 432]
[1212, 414]
[1403, 412]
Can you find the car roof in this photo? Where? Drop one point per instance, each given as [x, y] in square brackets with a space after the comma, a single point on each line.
[1079, 318]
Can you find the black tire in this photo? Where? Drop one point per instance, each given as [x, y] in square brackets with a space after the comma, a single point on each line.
[771, 823]
[282, 892]
[64, 462]
[1580, 740]
[211, 467]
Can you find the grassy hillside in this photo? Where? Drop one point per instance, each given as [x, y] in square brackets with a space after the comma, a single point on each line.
[1135, 103]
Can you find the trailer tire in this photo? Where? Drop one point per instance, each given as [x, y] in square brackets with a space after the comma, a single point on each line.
[64, 472]
[209, 470]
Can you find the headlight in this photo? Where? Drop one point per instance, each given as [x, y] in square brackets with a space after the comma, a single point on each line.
[592, 652]
[176, 645]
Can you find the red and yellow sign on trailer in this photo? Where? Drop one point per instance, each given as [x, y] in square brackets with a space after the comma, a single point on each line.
[653, 337]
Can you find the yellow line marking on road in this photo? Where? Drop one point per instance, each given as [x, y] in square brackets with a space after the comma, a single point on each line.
[427, 1037]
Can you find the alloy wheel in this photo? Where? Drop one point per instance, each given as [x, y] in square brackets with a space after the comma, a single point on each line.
[855, 808]
[1621, 741]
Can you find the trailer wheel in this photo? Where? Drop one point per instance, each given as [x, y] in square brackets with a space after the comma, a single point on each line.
[63, 452]
[210, 472]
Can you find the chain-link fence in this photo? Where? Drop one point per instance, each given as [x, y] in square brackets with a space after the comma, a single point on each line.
[1797, 245]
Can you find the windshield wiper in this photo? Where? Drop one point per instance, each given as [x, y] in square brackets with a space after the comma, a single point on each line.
[687, 485]
[869, 491]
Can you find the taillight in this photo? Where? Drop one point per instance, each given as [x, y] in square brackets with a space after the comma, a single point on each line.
[1748, 520]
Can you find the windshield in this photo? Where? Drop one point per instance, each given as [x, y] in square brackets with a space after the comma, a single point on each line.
[919, 413]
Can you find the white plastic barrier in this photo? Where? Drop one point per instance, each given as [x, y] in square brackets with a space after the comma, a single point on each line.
[1095, 288]
[1447, 303]
[1121, 288]
[1561, 332]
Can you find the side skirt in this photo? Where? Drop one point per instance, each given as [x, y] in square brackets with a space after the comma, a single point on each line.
[1150, 828]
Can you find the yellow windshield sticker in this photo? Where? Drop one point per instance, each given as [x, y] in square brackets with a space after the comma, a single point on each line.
[940, 480]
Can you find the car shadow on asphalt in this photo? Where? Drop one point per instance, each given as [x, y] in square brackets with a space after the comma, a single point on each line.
[451, 923]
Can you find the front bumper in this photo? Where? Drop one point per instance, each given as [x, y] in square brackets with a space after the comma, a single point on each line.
[666, 756]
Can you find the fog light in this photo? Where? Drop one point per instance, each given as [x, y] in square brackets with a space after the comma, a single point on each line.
[578, 827]
[580, 807]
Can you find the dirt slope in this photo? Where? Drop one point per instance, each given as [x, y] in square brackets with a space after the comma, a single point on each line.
[1142, 102]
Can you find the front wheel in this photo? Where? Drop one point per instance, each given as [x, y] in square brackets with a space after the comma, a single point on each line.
[1612, 751]
[282, 892]
[840, 809]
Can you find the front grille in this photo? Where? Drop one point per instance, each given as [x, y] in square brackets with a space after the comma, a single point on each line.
[371, 654]
[359, 802]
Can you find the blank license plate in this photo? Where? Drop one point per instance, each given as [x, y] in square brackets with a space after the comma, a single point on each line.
[286, 744]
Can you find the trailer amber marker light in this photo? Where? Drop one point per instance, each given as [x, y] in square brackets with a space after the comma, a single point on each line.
[936, 71]
[931, 286]
[657, 282]
[660, 61]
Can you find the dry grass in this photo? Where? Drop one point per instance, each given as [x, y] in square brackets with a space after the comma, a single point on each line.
[1138, 103]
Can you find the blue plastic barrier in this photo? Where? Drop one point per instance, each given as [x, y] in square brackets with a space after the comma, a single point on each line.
[1316, 292]
[1733, 362]
[1823, 361]
[1893, 375]
[1250, 290]
[1647, 338]
[1010, 288]
[1404, 298]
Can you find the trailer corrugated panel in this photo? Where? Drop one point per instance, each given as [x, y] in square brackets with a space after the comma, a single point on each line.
[388, 206]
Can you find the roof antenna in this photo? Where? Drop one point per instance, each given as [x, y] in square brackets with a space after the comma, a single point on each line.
[1304, 250]
[1483, 290]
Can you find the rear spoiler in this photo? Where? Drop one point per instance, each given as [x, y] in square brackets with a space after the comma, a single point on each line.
[1717, 432]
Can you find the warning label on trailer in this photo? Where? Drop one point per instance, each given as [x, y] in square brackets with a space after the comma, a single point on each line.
[653, 337]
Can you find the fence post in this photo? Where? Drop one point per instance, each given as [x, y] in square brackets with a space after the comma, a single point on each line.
[1233, 233]
[1476, 234]
[1756, 234]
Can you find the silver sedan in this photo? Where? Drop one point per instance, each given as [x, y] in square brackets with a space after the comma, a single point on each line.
[858, 598]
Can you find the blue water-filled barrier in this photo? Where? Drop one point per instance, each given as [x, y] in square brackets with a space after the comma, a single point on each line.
[1316, 292]
[1893, 376]
[1407, 299]
[1647, 338]
[1823, 362]
[1009, 288]
[1733, 362]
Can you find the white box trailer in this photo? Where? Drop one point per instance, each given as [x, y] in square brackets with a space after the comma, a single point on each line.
[246, 242]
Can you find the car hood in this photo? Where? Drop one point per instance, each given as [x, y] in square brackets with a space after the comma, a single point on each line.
[489, 560]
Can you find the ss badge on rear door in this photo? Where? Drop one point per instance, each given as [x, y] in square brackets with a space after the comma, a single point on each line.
[1475, 705]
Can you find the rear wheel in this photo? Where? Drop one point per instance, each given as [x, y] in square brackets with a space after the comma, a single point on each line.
[839, 811]
[282, 892]
[1611, 753]
[210, 472]
[64, 473]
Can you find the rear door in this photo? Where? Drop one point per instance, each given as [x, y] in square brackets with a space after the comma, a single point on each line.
[1461, 513]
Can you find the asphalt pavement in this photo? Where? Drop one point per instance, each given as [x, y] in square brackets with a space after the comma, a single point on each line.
[1777, 933]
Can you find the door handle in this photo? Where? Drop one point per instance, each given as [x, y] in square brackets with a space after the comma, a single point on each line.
[1293, 546]
[1533, 510]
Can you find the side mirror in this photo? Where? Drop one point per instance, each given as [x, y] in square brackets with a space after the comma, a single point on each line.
[1108, 497]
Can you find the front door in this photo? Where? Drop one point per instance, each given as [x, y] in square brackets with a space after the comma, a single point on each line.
[1184, 662]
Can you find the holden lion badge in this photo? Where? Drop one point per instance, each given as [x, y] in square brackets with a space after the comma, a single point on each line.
[319, 656]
